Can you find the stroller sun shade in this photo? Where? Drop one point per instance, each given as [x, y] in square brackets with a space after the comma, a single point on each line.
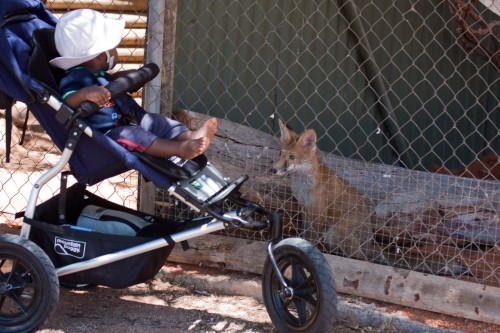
[19, 18]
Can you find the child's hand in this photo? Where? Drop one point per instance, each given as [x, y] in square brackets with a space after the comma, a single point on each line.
[97, 94]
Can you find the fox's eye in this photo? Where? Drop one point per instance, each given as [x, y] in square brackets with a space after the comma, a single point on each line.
[291, 157]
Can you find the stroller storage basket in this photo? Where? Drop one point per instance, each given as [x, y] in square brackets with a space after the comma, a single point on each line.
[68, 243]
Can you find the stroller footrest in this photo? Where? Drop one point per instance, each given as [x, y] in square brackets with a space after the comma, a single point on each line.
[205, 189]
[175, 168]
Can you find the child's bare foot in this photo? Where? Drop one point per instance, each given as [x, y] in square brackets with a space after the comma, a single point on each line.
[189, 149]
[207, 130]
[187, 145]
[203, 137]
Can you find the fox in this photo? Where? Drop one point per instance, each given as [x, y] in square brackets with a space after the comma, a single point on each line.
[336, 216]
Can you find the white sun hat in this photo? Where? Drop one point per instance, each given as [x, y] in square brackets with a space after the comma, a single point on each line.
[83, 34]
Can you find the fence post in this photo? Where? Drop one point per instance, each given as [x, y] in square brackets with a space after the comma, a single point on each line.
[160, 42]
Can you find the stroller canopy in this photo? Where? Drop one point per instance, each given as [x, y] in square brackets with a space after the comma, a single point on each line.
[19, 18]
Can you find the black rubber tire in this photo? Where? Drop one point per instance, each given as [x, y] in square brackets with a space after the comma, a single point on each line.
[313, 306]
[29, 287]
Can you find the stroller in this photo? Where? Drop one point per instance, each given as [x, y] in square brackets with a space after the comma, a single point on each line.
[96, 242]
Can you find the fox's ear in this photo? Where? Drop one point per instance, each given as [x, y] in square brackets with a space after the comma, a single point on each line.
[307, 139]
[287, 135]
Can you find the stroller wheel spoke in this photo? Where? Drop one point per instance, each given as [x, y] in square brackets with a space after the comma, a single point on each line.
[22, 308]
[2, 263]
[2, 301]
[301, 307]
[298, 274]
[10, 267]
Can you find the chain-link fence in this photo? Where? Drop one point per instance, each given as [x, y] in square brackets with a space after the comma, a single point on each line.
[402, 97]
[398, 94]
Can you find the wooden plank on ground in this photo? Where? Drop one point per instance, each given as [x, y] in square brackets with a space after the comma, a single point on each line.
[224, 252]
[413, 289]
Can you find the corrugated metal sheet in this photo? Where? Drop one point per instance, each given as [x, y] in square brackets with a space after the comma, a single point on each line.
[342, 70]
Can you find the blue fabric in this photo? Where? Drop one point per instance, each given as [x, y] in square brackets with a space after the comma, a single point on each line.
[150, 127]
[96, 158]
[18, 20]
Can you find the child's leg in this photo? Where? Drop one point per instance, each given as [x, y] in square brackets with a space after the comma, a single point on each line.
[186, 149]
[163, 137]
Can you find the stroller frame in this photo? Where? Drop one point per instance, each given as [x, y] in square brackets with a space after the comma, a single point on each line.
[298, 285]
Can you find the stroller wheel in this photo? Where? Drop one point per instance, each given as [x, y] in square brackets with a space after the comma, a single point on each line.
[309, 302]
[29, 287]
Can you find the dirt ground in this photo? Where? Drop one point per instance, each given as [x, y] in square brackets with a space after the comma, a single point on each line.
[155, 307]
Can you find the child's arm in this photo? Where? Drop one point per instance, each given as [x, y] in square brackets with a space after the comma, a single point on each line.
[97, 94]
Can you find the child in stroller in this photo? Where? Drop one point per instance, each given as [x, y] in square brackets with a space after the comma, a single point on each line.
[86, 41]
[298, 285]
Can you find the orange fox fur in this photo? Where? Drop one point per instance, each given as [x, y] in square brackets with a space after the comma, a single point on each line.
[336, 215]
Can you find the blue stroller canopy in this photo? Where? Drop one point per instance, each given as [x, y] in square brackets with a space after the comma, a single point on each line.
[19, 18]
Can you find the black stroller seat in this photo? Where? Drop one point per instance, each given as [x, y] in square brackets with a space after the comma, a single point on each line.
[44, 49]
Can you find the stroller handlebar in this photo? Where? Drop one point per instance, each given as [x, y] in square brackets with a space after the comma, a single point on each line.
[133, 80]
[129, 82]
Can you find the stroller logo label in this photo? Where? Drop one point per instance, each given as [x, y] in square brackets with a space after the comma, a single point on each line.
[69, 247]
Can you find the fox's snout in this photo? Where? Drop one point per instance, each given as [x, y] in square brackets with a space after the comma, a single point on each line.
[279, 172]
[280, 166]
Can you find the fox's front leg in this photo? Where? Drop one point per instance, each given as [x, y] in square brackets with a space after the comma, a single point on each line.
[312, 228]
[315, 233]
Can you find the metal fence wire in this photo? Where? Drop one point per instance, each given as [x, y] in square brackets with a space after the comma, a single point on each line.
[403, 98]
[394, 156]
